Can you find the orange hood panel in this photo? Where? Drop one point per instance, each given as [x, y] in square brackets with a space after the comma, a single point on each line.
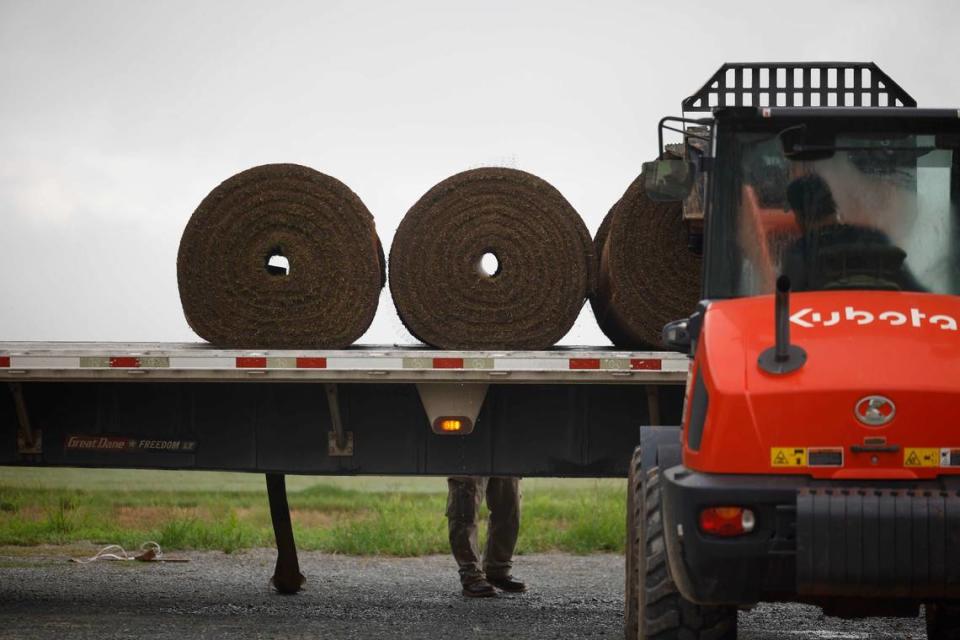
[904, 347]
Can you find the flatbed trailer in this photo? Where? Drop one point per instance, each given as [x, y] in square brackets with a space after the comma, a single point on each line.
[566, 412]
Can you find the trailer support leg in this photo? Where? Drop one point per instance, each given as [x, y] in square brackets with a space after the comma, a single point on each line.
[286, 576]
[29, 442]
[653, 404]
[339, 442]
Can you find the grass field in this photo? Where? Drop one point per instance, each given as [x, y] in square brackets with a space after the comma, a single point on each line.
[225, 511]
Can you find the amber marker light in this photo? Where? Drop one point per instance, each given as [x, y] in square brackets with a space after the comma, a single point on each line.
[449, 425]
[452, 425]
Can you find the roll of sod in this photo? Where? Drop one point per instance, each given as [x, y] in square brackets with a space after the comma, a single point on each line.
[647, 275]
[280, 256]
[491, 258]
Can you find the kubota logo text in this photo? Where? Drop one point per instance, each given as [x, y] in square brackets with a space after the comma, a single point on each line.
[808, 318]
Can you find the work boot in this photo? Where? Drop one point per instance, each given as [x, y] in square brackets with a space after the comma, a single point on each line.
[508, 584]
[479, 589]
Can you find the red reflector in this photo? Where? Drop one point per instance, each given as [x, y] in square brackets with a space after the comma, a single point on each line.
[4, 361]
[726, 521]
[125, 363]
[640, 364]
[584, 363]
[251, 363]
[448, 363]
[311, 363]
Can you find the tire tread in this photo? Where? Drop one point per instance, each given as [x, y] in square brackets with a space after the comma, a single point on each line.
[665, 614]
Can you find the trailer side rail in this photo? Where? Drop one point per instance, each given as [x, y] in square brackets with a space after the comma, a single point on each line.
[159, 362]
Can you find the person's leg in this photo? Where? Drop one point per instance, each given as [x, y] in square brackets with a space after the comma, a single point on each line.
[463, 499]
[503, 500]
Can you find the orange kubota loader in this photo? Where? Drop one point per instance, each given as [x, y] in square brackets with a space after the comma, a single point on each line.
[818, 459]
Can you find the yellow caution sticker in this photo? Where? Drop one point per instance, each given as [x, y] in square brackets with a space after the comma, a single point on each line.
[921, 457]
[788, 457]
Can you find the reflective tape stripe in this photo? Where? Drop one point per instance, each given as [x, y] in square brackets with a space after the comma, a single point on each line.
[154, 362]
[311, 363]
[194, 362]
[448, 363]
[642, 364]
[281, 362]
[532, 364]
[563, 365]
[678, 365]
[584, 363]
[124, 363]
[360, 363]
[46, 362]
[121, 362]
[614, 363]
[478, 363]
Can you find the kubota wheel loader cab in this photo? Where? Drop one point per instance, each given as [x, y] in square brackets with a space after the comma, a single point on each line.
[820, 445]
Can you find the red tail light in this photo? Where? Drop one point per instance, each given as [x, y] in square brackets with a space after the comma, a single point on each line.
[727, 521]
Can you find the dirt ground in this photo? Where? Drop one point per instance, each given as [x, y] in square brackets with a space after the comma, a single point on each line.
[215, 595]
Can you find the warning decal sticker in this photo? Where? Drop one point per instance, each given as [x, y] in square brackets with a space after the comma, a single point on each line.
[788, 457]
[921, 457]
[950, 457]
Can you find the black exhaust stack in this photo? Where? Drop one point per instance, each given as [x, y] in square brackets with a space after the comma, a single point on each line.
[782, 357]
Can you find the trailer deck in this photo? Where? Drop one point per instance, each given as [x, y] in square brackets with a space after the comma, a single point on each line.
[365, 410]
[159, 362]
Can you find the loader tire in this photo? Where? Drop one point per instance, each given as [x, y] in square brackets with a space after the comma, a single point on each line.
[662, 612]
[943, 621]
[631, 598]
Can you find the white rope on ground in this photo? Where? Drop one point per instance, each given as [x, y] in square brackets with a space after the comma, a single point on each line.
[150, 551]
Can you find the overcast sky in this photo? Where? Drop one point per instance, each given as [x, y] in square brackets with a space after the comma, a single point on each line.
[117, 118]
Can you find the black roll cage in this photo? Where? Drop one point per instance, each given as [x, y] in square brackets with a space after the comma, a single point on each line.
[798, 84]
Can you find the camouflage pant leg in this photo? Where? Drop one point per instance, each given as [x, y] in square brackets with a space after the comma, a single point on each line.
[503, 500]
[463, 500]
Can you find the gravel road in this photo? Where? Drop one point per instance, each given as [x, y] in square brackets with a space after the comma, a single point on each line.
[217, 595]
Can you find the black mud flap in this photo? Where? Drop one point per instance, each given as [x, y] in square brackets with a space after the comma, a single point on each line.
[660, 447]
[899, 543]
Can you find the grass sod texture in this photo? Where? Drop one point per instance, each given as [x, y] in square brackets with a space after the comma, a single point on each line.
[229, 512]
[546, 265]
[233, 296]
[647, 275]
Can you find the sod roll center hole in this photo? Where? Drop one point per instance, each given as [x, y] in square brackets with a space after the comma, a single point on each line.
[277, 264]
[489, 265]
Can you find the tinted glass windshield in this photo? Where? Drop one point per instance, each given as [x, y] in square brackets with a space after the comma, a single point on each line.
[852, 211]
